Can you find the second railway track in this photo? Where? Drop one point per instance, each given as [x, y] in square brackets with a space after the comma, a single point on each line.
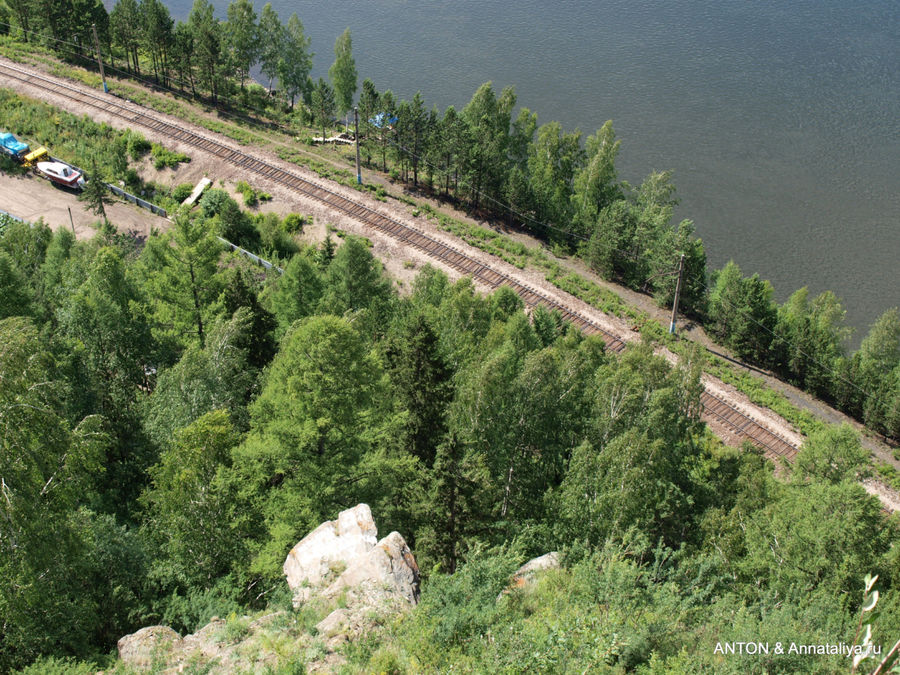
[715, 408]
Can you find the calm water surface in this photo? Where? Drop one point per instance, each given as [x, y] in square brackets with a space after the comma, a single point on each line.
[780, 118]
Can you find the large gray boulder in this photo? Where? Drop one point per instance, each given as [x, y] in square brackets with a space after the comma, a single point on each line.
[389, 571]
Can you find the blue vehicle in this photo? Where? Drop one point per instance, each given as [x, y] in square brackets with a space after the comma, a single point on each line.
[13, 147]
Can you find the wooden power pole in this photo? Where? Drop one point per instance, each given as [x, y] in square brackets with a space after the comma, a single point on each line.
[356, 125]
[99, 58]
[677, 293]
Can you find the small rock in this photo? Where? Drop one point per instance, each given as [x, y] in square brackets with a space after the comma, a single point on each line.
[153, 643]
[333, 623]
[527, 573]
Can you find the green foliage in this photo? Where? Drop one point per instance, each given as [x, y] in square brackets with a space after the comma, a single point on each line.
[78, 140]
[421, 381]
[47, 467]
[297, 292]
[343, 72]
[742, 313]
[216, 377]
[182, 278]
[26, 244]
[136, 145]
[249, 194]
[191, 513]
[832, 455]
[182, 191]
[633, 469]
[16, 298]
[354, 281]
[322, 104]
[213, 201]
[164, 158]
[811, 338]
[295, 61]
[273, 237]
[293, 223]
[52, 665]
[104, 322]
[311, 426]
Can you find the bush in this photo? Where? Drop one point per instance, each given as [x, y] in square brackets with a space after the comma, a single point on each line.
[273, 236]
[11, 166]
[132, 180]
[213, 201]
[293, 223]
[187, 613]
[250, 196]
[182, 191]
[136, 145]
[166, 159]
[51, 665]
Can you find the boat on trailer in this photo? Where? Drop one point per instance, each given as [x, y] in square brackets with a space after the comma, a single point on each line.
[61, 174]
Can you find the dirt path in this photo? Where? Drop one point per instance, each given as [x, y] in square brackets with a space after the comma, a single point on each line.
[402, 261]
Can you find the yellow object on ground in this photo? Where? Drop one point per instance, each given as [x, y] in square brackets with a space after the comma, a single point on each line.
[35, 156]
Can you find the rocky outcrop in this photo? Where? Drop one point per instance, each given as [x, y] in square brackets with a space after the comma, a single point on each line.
[329, 550]
[342, 556]
[388, 571]
[148, 646]
[341, 568]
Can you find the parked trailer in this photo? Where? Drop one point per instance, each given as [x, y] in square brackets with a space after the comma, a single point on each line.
[61, 174]
[13, 147]
[54, 170]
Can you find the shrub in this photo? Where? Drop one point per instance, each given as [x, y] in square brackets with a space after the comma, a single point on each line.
[213, 201]
[136, 145]
[250, 196]
[164, 158]
[182, 191]
[292, 223]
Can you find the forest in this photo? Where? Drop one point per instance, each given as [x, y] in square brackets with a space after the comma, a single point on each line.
[173, 420]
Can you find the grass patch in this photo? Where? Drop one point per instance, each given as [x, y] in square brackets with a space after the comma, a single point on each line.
[888, 474]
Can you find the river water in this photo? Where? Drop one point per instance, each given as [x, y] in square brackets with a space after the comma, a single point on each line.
[779, 118]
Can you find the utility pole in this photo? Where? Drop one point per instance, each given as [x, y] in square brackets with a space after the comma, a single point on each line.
[99, 58]
[71, 222]
[677, 293]
[356, 125]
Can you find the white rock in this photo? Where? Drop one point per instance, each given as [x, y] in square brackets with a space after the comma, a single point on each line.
[527, 573]
[388, 571]
[332, 546]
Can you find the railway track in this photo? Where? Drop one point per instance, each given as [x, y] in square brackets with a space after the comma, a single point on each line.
[714, 408]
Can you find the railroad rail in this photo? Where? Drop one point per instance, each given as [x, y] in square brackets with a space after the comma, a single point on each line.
[714, 408]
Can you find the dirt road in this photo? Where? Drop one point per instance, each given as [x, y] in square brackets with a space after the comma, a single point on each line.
[29, 197]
